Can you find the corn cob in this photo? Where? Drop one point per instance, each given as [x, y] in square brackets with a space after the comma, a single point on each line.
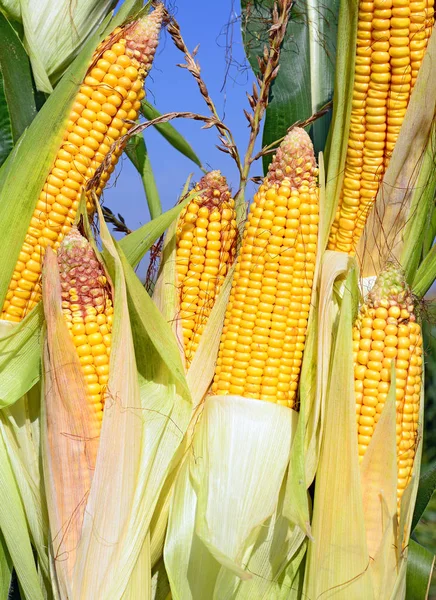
[264, 331]
[387, 331]
[392, 38]
[110, 95]
[206, 246]
[88, 312]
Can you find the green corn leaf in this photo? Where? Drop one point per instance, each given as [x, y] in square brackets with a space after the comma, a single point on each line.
[426, 274]
[137, 243]
[17, 77]
[6, 140]
[427, 485]
[420, 564]
[305, 80]
[137, 152]
[170, 133]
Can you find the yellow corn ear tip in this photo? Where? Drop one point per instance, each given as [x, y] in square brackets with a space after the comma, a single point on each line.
[83, 280]
[142, 37]
[215, 190]
[391, 289]
[294, 160]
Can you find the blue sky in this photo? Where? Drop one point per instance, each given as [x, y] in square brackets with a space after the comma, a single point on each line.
[171, 88]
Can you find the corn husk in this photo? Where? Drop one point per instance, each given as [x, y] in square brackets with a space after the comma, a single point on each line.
[225, 492]
[384, 234]
[359, 549]
[15, 532]
[55, 31]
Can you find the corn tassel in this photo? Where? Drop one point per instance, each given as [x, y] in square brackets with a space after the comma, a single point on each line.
[264, 331]
[206, 246]
[387, 331]
[109, 96]
[392, 38]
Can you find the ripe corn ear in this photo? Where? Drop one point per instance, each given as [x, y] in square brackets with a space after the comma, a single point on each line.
[264, 331]
[206, 246]
[88, 312]
[392, 38]
[109, 96]
[387, 332]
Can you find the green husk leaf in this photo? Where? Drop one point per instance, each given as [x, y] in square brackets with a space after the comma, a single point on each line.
[24, 172]
[54, 33]
[426, 488]
[337, 142]
[221, 502]
[305, 80]
[337, 559]
[425, 275]
[138, 154]
[11, 8]
[421, 208]
[18, 88]
[5, 568]
[136, 244]
[420, 563]
[15, 532]
[199, 377]
[128, 9]
[20, 352]
[159, 421]
[383, 236]
[170, 133]
[20, 427]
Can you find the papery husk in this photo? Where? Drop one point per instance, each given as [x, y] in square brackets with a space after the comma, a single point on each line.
[15, 532]
[69, 431]
[384, 230]
[337, 560]
[226, 491]
[199, 378]
[20, 428]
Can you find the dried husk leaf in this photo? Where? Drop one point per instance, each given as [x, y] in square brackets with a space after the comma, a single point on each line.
[383, 234]
[69, 430]
[337, 559]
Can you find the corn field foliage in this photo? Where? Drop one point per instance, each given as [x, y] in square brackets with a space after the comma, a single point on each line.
[256, 419]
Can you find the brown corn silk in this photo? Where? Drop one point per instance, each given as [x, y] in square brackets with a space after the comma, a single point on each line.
[78, 311]
[386, 333]
[205, 250]
[264, 332]
[392, 38]
[88, 313]
[109, 97]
